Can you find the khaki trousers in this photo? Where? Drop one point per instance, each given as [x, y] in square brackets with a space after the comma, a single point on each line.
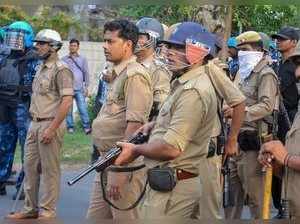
[130, 191]
[180, 202]
[210, 201]
[246, 183]
[44, 158]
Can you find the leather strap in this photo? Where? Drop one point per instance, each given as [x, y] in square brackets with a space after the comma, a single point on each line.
[39, 119]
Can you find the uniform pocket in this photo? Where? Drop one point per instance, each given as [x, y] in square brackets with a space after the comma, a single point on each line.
[44, 86]
[113, 107]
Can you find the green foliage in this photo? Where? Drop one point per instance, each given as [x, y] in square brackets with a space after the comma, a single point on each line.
[95, 33]
[76, 147]
[60, 21]
[91, 106]
[166, 14]
[264, 18]
[9, 14]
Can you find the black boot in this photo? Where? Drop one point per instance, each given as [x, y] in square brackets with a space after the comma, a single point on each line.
[2, 189]
[22, 196]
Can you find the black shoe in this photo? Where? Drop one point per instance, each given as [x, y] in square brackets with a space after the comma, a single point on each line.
[22, 196]
[279, 215]
[2, 189]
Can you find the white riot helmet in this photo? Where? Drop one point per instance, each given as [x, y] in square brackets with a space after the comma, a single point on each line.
[49, 36]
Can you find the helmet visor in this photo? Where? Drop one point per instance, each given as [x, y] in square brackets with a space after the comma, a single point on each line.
[14, 39]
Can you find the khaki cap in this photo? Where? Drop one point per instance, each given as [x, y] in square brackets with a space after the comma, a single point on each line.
[248, 37]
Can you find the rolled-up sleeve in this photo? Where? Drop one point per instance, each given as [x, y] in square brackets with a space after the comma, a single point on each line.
[225, 87]
[138, 99]
[188, 113]
[64, 82]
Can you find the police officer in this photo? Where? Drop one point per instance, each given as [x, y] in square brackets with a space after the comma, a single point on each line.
[227, 92]
[127, 108]
[51, 100]
[180, 136]
[150, 32]
[258, 82]
[17, 70]
[288, 156]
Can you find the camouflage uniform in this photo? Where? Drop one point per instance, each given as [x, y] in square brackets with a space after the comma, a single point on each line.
[15, 129]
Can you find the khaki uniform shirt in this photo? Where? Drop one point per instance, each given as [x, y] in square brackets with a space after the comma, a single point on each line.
[261, 90]
[185, 120]
[53, 80]
[224, 88]
[293, 186]
[129, 98]
[160, 79]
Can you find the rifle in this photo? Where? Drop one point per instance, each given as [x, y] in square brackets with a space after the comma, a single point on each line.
[228, 197]
[107, 159]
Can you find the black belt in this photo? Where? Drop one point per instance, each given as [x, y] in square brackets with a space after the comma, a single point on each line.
[125, 169]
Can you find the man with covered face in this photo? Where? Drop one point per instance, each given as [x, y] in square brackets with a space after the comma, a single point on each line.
[258, 82]
[180, 136]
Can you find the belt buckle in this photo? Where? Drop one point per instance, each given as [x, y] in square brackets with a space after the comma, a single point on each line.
[177, 174]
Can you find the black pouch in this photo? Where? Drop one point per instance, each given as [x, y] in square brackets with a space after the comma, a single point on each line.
[249, 141]
[211, 149]
[221, 140]
[162, 179]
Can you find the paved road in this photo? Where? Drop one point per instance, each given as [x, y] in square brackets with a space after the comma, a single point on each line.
[73, 201]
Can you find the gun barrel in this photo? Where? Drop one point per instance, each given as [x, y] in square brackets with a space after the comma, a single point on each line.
[81, 175]
[99, 165]
[107, 159]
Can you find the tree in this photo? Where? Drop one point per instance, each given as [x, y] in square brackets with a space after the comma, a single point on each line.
[264, 18]
[60, 21]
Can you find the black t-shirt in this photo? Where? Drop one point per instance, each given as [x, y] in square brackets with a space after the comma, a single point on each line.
[288, 87]
[289, 92]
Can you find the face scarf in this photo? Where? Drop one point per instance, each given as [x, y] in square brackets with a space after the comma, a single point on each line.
[247, 61]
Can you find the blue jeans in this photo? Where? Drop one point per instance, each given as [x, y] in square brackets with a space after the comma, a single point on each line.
[10, 132]
[82, 108]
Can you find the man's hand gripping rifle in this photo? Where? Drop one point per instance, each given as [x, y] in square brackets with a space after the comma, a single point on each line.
[108, 158]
